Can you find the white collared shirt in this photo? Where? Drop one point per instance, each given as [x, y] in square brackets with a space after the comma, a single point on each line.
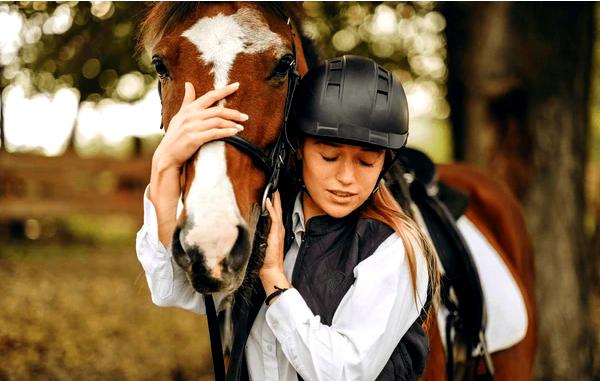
[287, 337]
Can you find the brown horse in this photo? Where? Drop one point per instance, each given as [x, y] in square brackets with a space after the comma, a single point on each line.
[213, 44]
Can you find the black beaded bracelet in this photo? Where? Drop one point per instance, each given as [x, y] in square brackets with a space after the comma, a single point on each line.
[274, 294]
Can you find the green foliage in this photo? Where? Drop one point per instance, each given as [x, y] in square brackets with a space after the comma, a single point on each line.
[89, 46]
[400, 35]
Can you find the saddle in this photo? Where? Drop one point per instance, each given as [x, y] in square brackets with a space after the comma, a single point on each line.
[413, 178]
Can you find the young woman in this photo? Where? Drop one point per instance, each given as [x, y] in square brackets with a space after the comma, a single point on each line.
[347, 289]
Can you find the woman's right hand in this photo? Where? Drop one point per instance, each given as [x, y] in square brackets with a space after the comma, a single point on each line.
[196, 123]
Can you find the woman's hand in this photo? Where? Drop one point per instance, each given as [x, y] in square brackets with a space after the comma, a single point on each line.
[271, 273]
[196, 123]
[274, 255]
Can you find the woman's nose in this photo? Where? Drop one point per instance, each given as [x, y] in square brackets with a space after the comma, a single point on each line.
[345, 174]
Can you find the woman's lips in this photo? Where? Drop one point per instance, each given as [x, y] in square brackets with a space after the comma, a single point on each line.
[341, 194]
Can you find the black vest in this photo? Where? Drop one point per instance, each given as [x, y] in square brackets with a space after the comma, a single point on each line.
[323, 273]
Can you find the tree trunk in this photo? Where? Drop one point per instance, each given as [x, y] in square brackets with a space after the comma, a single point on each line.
[2, 138]
[518, 88]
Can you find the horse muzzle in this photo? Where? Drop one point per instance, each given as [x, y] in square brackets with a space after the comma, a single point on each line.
[216, 270]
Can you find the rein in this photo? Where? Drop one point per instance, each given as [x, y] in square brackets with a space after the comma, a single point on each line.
[271, 164]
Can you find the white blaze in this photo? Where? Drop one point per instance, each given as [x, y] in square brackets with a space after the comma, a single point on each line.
[211, 207]
[221, 38]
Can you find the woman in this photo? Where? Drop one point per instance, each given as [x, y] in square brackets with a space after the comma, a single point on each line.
[347, 298]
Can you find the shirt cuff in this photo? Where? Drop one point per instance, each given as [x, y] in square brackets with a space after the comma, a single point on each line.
[288, 312]
[151, 223]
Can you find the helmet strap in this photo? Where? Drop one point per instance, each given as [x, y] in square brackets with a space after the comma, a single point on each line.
[376, 187]
[386, 168]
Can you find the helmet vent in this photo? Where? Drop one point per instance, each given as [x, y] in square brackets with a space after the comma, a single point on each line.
[382, 84]
[335, 76]
[381, 101]
[383, 89]
[333, 91]
[335, 65]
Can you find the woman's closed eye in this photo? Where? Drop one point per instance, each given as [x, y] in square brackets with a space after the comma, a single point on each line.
[364, 163]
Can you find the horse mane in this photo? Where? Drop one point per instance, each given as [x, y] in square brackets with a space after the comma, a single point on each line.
[163, 16]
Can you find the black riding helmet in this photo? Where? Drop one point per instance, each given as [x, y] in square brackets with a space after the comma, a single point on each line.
[354, 100]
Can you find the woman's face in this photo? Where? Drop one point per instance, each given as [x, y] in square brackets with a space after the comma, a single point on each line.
[339, 177]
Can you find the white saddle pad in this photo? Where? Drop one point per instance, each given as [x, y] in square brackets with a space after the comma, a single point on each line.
[506, 312]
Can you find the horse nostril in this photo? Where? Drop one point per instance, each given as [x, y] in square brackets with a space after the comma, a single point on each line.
[240, 251]
[182, 258]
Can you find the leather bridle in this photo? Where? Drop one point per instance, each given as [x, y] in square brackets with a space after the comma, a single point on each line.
[271, 163]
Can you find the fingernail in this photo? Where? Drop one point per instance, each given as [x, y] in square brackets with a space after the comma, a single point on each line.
[244, 117]
[235, 84]
[239, 127]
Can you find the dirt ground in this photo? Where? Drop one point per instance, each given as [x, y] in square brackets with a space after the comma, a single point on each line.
[84, 313]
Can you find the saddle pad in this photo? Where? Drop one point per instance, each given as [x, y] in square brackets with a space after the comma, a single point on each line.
[505, 307]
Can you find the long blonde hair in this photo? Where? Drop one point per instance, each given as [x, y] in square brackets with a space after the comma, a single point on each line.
[383, 207]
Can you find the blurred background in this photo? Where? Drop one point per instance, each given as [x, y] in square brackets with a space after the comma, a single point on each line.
[513, 88]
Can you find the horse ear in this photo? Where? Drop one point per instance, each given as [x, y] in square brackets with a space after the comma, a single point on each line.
[311, 56]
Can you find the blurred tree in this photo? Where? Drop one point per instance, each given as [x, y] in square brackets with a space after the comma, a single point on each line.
[91, 47]
[519, 92]
[86, 45]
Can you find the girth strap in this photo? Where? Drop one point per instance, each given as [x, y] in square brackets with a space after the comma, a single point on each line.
[456, 258]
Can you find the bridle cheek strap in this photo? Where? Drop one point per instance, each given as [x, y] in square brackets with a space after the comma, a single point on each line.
[273, 163]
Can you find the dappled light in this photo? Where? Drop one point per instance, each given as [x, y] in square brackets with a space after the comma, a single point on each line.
[501, 86]
[42, 122]
[108, 123]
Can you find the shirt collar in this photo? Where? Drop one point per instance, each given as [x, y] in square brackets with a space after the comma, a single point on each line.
[298, 216]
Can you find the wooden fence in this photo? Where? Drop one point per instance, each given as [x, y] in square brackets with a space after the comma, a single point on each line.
[34, 186]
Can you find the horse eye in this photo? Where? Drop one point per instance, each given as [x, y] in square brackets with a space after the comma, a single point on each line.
[160, 67]
[283, 66]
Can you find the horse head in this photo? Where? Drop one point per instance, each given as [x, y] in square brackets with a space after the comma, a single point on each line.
[212, 45]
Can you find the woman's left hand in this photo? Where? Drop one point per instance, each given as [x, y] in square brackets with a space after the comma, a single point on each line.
[273, 262]
[271, 273]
